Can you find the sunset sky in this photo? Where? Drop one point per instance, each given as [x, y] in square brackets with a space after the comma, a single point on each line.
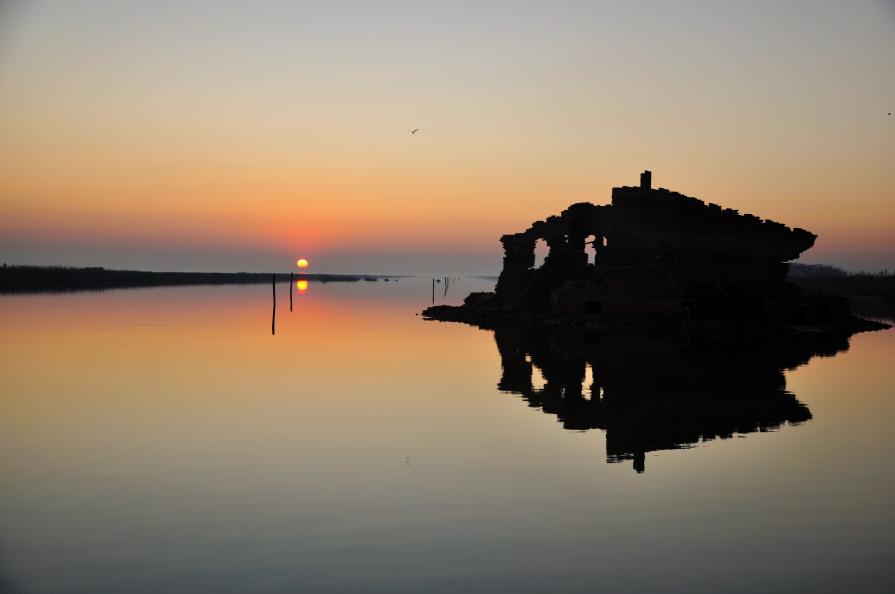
[243, 135]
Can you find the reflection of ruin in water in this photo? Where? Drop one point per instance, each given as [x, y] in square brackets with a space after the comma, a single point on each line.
[652, 393]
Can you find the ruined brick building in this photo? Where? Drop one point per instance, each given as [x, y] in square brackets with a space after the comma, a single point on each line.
[656, 251]
[656, 255]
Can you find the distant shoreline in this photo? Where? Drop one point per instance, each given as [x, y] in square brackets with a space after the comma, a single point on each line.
[60, 279]
[63, 279]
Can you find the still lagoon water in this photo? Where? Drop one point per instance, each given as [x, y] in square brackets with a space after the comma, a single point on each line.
[162, 440]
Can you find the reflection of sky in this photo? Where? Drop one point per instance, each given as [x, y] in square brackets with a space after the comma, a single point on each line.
[240, 136]
[162, 440]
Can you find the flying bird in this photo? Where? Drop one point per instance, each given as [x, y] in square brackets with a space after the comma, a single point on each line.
[414, 131]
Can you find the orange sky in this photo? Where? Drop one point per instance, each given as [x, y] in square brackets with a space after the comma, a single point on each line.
[174, 136]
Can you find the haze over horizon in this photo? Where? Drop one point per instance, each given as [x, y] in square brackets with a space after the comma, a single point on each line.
[228, 136]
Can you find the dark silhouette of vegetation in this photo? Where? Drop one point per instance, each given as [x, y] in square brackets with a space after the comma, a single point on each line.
[829, 279]
[797, 270]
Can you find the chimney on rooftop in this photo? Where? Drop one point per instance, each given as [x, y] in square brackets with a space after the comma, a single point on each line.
[646, 180]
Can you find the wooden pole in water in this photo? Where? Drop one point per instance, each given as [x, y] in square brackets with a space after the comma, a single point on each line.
[273, 317]
[291, 283]
[433, 289]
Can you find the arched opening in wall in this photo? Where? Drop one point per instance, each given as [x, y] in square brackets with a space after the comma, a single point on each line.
[587, 388]
[590, 248]
[541, 251]
[537, 379]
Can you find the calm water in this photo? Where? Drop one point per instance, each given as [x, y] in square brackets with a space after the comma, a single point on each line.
[161, 440]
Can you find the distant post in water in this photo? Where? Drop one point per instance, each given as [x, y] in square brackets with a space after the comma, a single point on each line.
[291, 282]
[273, 317]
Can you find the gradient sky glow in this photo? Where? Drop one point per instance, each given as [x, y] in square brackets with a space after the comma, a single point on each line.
[243, 135]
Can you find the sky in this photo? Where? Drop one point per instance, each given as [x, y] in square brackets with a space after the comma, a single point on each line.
[230, 136]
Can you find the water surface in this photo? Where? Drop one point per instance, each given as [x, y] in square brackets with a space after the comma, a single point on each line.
[163, 440]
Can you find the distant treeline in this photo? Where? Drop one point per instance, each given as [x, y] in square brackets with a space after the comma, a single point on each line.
[38, 279]
[822, 277]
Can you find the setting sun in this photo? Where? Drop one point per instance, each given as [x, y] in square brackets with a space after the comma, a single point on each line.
[302, 263]
[302, 285]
